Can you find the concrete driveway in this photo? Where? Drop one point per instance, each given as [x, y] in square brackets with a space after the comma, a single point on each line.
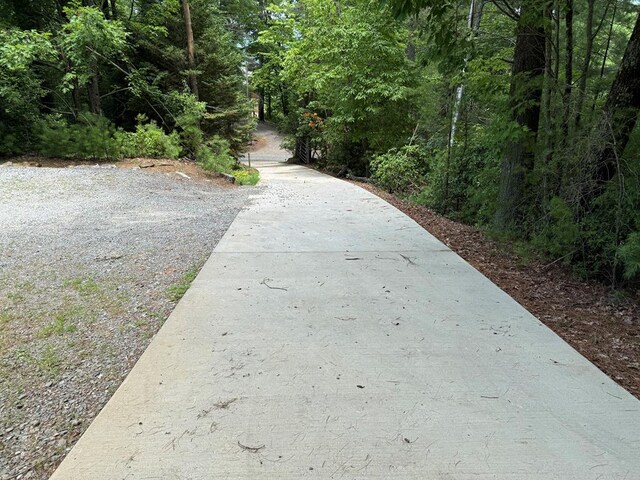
[329, 336]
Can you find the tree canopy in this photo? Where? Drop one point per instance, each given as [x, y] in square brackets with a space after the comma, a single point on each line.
[519, 117]
[115, 76]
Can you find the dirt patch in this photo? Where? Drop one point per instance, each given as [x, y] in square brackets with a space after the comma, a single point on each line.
[587, 315]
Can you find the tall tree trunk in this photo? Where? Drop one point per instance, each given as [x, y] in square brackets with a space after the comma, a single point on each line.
[603, 66]
[549, 87]
[568, 69]
[114, 10]
[283, 101]
[191, 53]
[525, 93]
[269, 107]
[555, 13]
[618, 119]
[94, 90]
[106, 10]
[567, 93]
[75, 97]
[548, 69]
[261, 105]
[584, 73]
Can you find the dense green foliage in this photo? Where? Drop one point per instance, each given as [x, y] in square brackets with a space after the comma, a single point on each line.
[517, 116]
[489, 112]
[340, 74]
[109, 79]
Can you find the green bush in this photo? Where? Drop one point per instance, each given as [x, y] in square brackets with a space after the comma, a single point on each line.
[93, 137]
[188, 113]
[433, 194]
[561, 233]
[215, 156]
[9, 143]
[246, 176]
[400, 170]
[463, 182]
[629, 254]
[149, 141]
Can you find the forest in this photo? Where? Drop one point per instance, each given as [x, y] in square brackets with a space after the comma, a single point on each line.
[119, 78]
[519, 117]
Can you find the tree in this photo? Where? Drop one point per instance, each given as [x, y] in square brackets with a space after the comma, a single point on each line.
[568, 69]
[363, 104]
[586, 63]
[191, 55]
[87, 40]
[270, 49]
[21, 88]
[525, 94]
[618, 119]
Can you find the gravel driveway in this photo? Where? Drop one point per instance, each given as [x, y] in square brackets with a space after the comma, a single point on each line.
[92, 260]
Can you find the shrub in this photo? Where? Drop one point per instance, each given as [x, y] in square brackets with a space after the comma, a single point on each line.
[629, 253]
[9, 143]
[188, 114]
[215, 156]
[93, 137]
[246, 176]
[559, 237]
[463, 181]
[400, 170]
[148, 140]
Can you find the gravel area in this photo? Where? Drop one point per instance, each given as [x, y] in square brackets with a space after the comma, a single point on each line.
[88, 259]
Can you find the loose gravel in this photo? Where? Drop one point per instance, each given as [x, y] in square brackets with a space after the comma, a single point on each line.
[88, 256]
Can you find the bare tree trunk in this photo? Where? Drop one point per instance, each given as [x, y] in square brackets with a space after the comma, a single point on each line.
[283, 100]
[191, 55]
[606, 52]
[106, 9]
[525, 94]
[568, 69]
[114, 10]
[618, 119]
[549, 84]
[269, 107]
[567, 93]
[94, 90]
[261, 105]
[411, 49]
[60, 9]
[548, 68]
[584, 74]
[75, 96]
[556, 45]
